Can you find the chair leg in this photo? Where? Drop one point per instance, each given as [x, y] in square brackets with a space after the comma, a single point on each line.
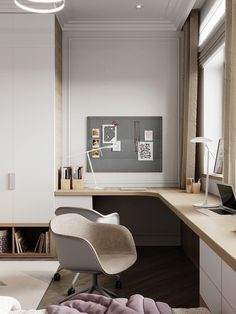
[118, 283]
[75, 279]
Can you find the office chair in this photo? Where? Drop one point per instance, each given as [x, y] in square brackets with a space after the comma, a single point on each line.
[91, 247]
[94, 216]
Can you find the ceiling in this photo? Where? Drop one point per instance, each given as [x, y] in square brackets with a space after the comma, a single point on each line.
[168, 15]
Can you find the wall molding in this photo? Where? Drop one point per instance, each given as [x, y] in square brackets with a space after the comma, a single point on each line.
[155, 179]
[119, 25]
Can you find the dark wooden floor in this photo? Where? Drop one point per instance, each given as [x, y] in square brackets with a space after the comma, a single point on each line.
[161, 273]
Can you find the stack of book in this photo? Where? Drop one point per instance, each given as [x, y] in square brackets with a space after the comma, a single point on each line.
[43, 243]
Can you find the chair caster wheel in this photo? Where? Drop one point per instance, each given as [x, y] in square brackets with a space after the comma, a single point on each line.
[118, 284]
[70, 291]
[56, 277]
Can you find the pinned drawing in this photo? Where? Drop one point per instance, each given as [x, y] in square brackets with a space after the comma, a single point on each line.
[145, 151]
[109, 133]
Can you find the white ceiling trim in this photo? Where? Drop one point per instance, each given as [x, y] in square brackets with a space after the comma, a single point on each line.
[122, 25]
[176, 14]
[172, 18]
[179, 11]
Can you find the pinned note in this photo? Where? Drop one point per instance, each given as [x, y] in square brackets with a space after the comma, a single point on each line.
[148, 135]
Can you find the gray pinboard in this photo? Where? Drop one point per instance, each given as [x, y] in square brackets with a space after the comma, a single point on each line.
[130, 131]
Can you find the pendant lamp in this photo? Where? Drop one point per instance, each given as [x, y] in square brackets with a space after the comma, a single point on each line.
[41, 6]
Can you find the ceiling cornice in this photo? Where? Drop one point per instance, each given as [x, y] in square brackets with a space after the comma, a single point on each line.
[176, 14]
[119, 25]
[179, 12]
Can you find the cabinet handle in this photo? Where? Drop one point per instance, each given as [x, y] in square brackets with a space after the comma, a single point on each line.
[11, 181]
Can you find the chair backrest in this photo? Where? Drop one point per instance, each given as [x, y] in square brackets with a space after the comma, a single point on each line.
[72, 225]
[90, 214]
[73, 236]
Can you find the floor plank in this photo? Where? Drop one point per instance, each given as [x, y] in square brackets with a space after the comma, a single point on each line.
[161, 273]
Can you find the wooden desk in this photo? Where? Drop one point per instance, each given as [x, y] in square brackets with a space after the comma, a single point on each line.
[217, 235]
[218, 231]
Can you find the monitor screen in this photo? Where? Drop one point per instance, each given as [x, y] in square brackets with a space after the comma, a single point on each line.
[227, 195]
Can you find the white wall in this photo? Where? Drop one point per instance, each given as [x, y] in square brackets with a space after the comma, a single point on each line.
[114, 74]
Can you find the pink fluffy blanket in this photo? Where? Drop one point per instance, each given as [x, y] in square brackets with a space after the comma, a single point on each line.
[85, 303]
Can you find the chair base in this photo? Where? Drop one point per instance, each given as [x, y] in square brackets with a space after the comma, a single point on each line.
[94, 288]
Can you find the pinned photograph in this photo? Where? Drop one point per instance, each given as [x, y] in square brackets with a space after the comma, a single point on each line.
[145, 151]
[96, 154]
[109, 133]
[95, 133]
[96, 143]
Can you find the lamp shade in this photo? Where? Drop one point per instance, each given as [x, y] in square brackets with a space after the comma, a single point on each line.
[200, 139]
[45, 6]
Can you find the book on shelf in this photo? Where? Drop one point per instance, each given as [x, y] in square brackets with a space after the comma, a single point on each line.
[17, 243]
[47, 242]
[20, 243]
[43, 243]
[39, 244]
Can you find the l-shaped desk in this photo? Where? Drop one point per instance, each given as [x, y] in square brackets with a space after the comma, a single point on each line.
[217, 235]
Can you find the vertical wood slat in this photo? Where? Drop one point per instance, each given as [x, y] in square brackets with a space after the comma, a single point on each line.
[58, 98]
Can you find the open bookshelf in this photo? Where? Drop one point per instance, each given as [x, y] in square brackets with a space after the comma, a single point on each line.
[26, 240]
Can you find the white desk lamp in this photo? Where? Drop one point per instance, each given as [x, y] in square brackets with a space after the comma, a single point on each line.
[96, 186]
[204, 140]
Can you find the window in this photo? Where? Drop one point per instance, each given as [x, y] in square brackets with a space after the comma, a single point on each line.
[213, 102]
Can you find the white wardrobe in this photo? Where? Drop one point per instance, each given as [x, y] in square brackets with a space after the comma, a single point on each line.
[29, 117]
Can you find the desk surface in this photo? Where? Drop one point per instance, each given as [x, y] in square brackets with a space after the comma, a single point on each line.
[218, 231]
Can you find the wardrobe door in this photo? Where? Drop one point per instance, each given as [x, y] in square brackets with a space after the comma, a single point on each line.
[34, 134]
[6, 135]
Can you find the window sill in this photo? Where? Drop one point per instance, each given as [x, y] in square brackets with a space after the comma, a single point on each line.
[214, 176]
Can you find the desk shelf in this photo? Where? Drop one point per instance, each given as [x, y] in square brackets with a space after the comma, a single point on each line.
[27, 240]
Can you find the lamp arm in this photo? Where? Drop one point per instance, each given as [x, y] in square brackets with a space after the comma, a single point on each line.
[91, 167]
[89, 160]
[99, 148]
